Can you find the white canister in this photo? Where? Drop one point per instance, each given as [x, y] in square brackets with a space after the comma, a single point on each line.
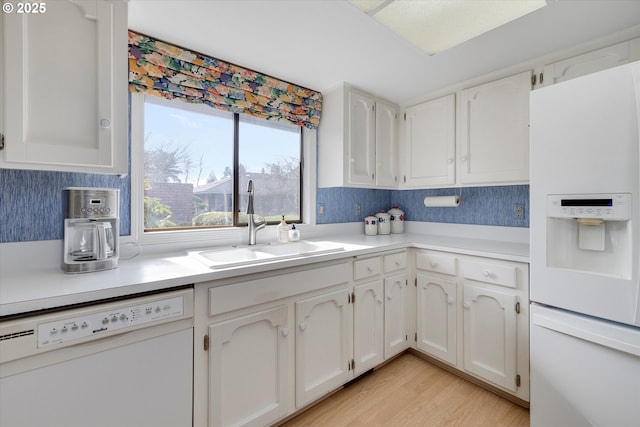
[397, 220]
[371, 225]
[384, 222]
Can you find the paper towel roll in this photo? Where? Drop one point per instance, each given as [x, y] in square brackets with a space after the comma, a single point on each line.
[442, 201]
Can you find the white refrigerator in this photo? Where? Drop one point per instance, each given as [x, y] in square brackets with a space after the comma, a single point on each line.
[585, 253]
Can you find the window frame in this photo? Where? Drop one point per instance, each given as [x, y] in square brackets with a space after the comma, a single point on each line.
[209, 236]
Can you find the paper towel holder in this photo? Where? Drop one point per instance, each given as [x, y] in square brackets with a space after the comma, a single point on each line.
[442, 201]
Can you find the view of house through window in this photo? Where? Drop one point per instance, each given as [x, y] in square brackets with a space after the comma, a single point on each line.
[189, 166]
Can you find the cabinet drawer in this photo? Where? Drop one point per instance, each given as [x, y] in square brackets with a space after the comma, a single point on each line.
[395, 262]
[368, 267]
[490, 272]
[436, 262]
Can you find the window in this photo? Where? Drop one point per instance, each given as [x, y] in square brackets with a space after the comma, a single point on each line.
[198, 161]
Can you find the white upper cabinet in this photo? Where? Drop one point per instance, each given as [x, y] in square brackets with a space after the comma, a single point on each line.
[597, 60]
[357, 140]
[386, 147]
[361, 155]
[494, 132]
[430, 144]
[65, 88]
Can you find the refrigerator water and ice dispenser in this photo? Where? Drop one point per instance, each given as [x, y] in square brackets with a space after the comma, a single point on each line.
[590, 233]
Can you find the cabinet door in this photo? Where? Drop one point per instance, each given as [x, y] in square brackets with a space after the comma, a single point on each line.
[249, 369]
[592, 62]
[495, 131]
[368, 326]
[324, 343]
[429, 151]
[490, 335]
[361, 138]
[395, 315]
[436, 317]
[386, 148]
[66, 106]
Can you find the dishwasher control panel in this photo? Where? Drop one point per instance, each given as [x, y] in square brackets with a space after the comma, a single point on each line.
[82, 327]
[101, 322]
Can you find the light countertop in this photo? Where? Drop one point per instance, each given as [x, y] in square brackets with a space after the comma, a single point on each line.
[45, 287]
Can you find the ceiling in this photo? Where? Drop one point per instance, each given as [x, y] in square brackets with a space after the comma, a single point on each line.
[320, 43]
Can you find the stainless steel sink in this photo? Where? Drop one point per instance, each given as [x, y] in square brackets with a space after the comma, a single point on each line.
[247, 255]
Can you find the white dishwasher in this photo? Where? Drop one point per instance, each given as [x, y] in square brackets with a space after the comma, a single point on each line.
[120, 363]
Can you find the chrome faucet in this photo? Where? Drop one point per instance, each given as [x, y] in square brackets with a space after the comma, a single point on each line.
[254, 225]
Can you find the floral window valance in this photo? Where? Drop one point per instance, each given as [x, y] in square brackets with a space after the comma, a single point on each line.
[161, 69]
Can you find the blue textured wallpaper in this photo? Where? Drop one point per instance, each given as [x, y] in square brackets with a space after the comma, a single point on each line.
[480, 205]
[339, 204]
[31, 202]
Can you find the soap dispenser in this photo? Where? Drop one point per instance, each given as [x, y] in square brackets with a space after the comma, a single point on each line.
[283, 231]
[294, 234]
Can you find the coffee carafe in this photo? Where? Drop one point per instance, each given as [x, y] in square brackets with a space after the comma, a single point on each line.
[91, 229]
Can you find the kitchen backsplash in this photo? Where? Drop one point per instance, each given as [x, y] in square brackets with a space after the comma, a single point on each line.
[480, 205]
[31, 204]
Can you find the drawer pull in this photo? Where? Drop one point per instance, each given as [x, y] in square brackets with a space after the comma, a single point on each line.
[389, 298]
[434, 264]
[486, 273]
[450, 300]
[370, 269]
[285, 332]
[466, 306]
[380, 301]
[398, 263]
[303, 326]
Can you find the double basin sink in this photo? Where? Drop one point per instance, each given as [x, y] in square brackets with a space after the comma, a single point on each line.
[247, 255]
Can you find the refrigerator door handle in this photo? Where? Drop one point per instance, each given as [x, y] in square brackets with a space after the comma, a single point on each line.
[589, 333]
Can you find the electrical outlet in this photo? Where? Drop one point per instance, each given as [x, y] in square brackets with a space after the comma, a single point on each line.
[321, 209]
[518, 210]
[358, 209]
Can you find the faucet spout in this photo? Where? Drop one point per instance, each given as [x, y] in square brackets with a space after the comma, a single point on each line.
[250, 203]
[253, 225]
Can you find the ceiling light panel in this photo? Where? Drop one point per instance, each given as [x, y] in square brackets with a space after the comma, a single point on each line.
[436, 25]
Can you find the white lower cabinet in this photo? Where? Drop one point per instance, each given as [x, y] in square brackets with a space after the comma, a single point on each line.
[387, 274]
[436, 317]
[249, 372]
[472, 313]
[275, 344]
[324, 327]
[368, 326]
[395, 315]
[490, 338]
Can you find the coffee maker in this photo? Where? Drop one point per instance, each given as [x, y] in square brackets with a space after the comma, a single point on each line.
[91, 229]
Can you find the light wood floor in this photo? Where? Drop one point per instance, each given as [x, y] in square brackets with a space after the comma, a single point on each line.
[410, 391]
